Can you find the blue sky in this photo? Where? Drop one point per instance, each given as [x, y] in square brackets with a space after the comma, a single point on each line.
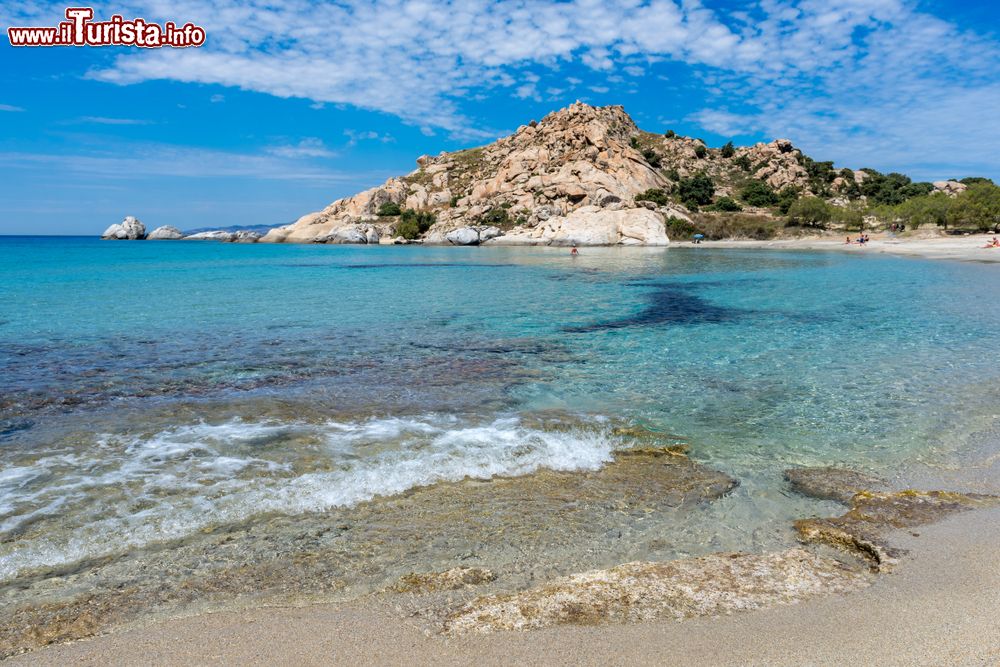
[289, 106]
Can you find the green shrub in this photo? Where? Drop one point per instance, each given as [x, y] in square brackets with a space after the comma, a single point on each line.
[891, 189]
[787, 197]
[821, 174]
[810, 212]
[738, 225]
[497, 216]
[414, 223]
[978, 207]
[974, 180]
[389, 208]
[728, 150]
[697, 190]
[655, 195]
[758, 193]
[670, 134]
[680, 229]
[454, 200]
[726, 204]
[634, 142]
[652, 157]
[743, 162]
[672, 174]
[929, 209]
[700, 151]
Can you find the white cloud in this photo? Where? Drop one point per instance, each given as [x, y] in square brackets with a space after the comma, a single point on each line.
[309, 147]
[104, 120]
[164, 160]
[217, 98]
[840, 75]
[868, 84]
[354, 137]
[10, 107]
[416, 60]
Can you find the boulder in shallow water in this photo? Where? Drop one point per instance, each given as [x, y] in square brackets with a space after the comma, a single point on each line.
[129, 229]
[165, 233]
[463, 236]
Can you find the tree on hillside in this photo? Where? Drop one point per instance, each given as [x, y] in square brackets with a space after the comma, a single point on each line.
[655, 195]
[728, 150]
[929, 209]
[414, 223]
[389, 208]
[892, 189]
[758, 193]
[727, 204]
[972, 180]
[978, 206]
[697, 190]
[810, 212]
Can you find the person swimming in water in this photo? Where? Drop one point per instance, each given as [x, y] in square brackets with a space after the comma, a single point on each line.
[574, 251]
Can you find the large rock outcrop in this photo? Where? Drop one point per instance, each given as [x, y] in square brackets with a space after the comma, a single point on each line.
[591, 226]
[573, 177]
[165, 233]
[129, 229]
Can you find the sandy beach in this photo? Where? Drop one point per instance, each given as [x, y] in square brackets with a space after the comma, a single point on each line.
[939, 607]
[969, 248]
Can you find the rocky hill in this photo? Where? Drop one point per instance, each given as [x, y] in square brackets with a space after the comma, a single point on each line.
[583, 175]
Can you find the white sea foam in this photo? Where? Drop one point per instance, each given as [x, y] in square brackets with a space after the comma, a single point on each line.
[130, 491]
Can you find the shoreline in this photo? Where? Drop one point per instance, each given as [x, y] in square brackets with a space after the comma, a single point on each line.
[961, 248]
[937, 607]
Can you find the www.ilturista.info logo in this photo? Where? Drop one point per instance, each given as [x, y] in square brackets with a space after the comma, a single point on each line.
[81, 30]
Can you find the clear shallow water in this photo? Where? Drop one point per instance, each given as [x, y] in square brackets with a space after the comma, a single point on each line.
[150, 391]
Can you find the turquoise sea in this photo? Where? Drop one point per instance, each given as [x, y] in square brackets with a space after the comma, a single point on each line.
[151, 392]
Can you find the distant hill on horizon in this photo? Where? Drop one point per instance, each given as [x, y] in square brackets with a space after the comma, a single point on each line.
[263, 229]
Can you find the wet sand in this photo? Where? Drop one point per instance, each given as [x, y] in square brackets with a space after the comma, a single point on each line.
[938, 607]
[964, 248]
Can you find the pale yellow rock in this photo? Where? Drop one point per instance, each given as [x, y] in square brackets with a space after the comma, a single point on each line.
[712, 585]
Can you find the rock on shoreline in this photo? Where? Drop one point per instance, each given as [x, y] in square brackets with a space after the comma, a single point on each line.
[165, 233]
[644, 591]
[129, 229]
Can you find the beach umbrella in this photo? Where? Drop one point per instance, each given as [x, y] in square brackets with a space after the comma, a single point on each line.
[699, 236]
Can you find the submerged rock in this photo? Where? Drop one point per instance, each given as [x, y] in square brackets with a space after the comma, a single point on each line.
[827, 483]
[129, 229]
[453, 579]
[642, 591]
[873, 515]
[165, 233]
